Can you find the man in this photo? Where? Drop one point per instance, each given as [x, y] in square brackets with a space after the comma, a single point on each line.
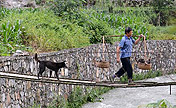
[125, 50]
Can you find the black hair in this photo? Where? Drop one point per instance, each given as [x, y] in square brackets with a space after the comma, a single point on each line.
[128, 29]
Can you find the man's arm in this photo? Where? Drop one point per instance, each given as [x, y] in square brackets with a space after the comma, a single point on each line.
[118, 54]
[137, 41]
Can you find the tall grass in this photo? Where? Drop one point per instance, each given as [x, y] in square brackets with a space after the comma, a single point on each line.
[47, 31]
[163, 33]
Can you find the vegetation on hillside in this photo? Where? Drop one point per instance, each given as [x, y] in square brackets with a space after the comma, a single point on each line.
[58, 25]
[64, 24]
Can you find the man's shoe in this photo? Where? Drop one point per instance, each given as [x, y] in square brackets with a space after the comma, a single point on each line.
[130, 81]
[115, 78]
[112, 78]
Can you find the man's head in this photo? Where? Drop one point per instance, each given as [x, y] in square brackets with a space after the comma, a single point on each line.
[128, 31]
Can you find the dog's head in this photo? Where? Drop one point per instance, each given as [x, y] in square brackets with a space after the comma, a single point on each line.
[64, 64]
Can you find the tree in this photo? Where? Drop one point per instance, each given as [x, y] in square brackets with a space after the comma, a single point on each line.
[162, 8]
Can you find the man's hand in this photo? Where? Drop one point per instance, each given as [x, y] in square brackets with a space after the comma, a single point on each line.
[118, 53]
[140, 36]
[118, 60]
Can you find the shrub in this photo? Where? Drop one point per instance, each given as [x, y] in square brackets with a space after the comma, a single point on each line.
[160, 104]
[96, 29]
[66, 7]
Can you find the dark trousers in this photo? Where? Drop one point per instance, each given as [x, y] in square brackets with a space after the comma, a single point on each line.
[126, 67]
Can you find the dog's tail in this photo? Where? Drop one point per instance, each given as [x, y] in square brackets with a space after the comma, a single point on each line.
[36, 58]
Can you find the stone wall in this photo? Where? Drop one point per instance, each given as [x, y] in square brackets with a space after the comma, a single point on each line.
[162, 54]
[24, 94]
[18, 3]
[19, 93]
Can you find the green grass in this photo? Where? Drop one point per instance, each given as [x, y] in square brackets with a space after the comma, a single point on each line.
[163, 33]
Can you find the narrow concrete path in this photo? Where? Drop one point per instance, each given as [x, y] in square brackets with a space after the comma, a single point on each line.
[135, 97]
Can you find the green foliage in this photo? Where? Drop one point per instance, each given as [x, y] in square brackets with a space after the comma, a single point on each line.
[48, 31]
[11, 37]
[78, 27]
[172, 20]
[172, 17]
[43, 2]
[78, 97]
[66, 7]
[160, 104]
[141, 76]
[4, 50]
[162, 4]
[59, 102]
[162, 9]
[163, 33]
[35, 106]
[11, 33]
[96, 29]
[98, 24]
[3, 12]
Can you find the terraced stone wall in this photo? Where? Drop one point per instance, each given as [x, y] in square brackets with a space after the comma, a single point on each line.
[21, 93]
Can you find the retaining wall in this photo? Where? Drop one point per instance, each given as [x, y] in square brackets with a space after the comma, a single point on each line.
[20, 93]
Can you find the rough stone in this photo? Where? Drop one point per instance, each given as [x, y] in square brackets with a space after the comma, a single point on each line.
[18, 3]
[17, 106]
[8, 99]
[3, 97]
[80, 66]
[11, 82]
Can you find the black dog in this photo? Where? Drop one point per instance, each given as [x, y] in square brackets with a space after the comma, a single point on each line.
[51, 65]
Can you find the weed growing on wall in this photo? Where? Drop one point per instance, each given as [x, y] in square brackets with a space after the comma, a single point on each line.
[78, 97]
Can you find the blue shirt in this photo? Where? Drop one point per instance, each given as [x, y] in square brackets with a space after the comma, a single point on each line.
[126, 45]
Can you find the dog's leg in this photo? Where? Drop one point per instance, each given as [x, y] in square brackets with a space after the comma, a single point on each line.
[50, 73]
[38, 75]
[42, 69]
[57, 75]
